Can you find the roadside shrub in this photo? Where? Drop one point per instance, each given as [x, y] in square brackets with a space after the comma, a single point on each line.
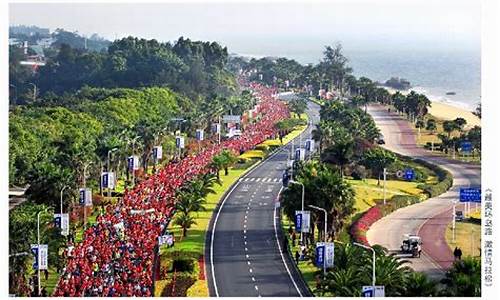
[359, 172]
[183, 265]
[262, 147]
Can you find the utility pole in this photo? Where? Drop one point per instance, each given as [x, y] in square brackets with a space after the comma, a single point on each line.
[108, 168]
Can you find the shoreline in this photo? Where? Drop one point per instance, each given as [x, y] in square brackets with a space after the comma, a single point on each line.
[446, 110]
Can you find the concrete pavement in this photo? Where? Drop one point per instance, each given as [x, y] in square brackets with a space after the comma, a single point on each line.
[244, 243]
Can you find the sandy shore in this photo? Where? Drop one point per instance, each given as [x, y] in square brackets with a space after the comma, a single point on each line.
[447, 111]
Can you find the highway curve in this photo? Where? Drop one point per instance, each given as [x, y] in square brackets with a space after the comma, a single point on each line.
[429, 218]
[244, 242]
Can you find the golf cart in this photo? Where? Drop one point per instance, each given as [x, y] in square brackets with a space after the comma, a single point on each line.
[411, 245]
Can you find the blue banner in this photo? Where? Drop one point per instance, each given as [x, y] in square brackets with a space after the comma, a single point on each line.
[298, 222]
[472, 194]
[320, 256]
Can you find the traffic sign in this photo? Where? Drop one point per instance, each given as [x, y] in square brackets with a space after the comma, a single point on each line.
[409, 174]
[466, 146]
[471, 194]
[286, 178]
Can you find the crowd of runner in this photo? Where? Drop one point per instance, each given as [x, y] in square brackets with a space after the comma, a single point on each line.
[116, 256]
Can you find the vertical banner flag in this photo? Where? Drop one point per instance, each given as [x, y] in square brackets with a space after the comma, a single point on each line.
[57, 220]
[298, 220]
[108, 180]
[329, 254]
[133, 163]
[320, 254]
[179, 142]
[199, 134]
[300, 154]
[40, 252]
[65, 224]
[310, 145]
[157, 153]
[85, 196]
[306, 221]
[215, 128]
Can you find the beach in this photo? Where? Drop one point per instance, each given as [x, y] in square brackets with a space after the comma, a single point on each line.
[446, 111]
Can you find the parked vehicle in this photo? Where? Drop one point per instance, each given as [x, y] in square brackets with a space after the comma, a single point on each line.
[459, 216]
[411, 244]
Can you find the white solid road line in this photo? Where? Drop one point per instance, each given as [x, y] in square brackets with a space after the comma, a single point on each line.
[281, 252]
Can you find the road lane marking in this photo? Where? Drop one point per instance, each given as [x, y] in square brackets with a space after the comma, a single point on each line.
[248, 262]
[253, 278]
[220, 210]
[281, 252]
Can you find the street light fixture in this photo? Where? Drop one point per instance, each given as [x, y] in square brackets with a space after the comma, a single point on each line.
[108, 168]
[373, 260]
[325, 229]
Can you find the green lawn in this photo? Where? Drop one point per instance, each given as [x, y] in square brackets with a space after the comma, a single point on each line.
[467, 238]
[49, 284]
[368, 192]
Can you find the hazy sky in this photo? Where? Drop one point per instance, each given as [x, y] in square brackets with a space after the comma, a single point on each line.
[266, 27]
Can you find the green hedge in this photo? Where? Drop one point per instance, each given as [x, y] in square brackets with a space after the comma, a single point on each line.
[397, 202]
[445, 180]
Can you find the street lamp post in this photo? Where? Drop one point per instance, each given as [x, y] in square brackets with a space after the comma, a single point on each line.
[454, 213]
[38, 247]
[385, 177]
[107, 168]
[373, 261]
[325, 230]
[61, 193]
[303, 192]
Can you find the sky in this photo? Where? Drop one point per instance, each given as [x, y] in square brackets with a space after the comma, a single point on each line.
[267, 27]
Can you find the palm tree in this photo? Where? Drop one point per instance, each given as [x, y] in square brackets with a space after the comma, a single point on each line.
[419, 285]
[189, 201]
[392, 273]
[340, 154]
[431, 125]
[460, 123]
[464, 278]
[185, 220]
[449, 127]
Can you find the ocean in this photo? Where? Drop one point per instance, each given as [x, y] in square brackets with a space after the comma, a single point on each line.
[433, 72]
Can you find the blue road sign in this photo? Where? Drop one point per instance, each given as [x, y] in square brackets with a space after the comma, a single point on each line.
[298, 222]
[471, 194]
[409, 174]
[320, 256]
[466, 146]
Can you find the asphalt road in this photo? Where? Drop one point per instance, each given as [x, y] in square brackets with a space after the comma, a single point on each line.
[244, 242]
[429, 218]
